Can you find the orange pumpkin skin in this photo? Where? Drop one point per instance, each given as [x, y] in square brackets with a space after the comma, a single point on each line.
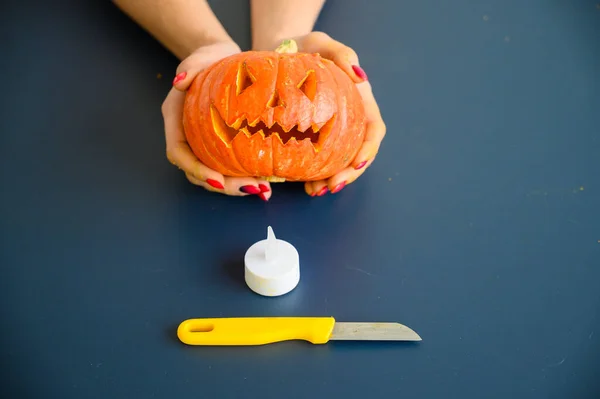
[279, 116]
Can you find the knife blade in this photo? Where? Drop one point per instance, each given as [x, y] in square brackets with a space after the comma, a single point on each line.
[245, 331]
[373, 332]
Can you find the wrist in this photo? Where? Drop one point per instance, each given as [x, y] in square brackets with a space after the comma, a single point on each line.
[204, 40]
[271, 43]
[276, 20]
[265, 45]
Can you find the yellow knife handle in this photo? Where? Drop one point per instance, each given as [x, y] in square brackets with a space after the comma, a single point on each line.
[255, 330]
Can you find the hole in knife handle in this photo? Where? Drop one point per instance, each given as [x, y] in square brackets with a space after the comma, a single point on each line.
[201, 327]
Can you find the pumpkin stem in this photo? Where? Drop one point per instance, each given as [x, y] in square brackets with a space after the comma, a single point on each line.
[287, 46]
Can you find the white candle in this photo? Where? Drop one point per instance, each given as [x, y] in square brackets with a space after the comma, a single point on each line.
[272, 266]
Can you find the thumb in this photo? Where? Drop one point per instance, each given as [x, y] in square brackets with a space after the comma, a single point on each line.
[343, 56]
[188, 70]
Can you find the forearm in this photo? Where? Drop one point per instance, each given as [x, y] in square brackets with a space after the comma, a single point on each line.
[275, 20]
[180, 25]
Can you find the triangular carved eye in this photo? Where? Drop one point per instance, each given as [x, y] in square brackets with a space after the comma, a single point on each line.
[275, 100]
[244, 78]
[308, 85]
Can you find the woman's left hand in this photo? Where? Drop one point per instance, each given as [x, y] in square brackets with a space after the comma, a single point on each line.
[345, 58]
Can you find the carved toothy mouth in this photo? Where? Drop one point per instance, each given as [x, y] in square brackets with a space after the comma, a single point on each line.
[227, 133]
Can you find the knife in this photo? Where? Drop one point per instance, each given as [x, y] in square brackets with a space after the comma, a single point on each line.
[238, 331]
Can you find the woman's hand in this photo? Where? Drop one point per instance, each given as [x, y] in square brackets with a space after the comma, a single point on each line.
[344, 57]
[179, 152]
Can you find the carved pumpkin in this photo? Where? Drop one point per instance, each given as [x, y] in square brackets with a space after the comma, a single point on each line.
[277, 115]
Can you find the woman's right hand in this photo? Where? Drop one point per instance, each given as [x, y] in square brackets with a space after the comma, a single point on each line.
[179, 152]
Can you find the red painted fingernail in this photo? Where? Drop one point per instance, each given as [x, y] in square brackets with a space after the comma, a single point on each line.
[360, 72]
[361, 165]
[263, 188]
[263, 197]
[250, 189]
[322, 191]
[337, 188]
[215, 183]
[179, 77]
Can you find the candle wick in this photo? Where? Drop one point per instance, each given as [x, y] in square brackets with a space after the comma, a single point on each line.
[271, 247]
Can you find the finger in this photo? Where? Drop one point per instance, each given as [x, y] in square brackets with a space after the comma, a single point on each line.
[370, 146]
[201, 183]
[265, 190]
[178, 150]
[242, 186]
[236, 186]
[308, 188]
[336, 183]
[316, 188]
[343, 56]
[346, 177]
[375, 129]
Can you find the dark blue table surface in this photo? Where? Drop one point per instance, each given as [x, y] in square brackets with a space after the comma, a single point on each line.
[478, 225]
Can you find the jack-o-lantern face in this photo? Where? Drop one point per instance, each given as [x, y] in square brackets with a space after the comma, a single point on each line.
[295, 117]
